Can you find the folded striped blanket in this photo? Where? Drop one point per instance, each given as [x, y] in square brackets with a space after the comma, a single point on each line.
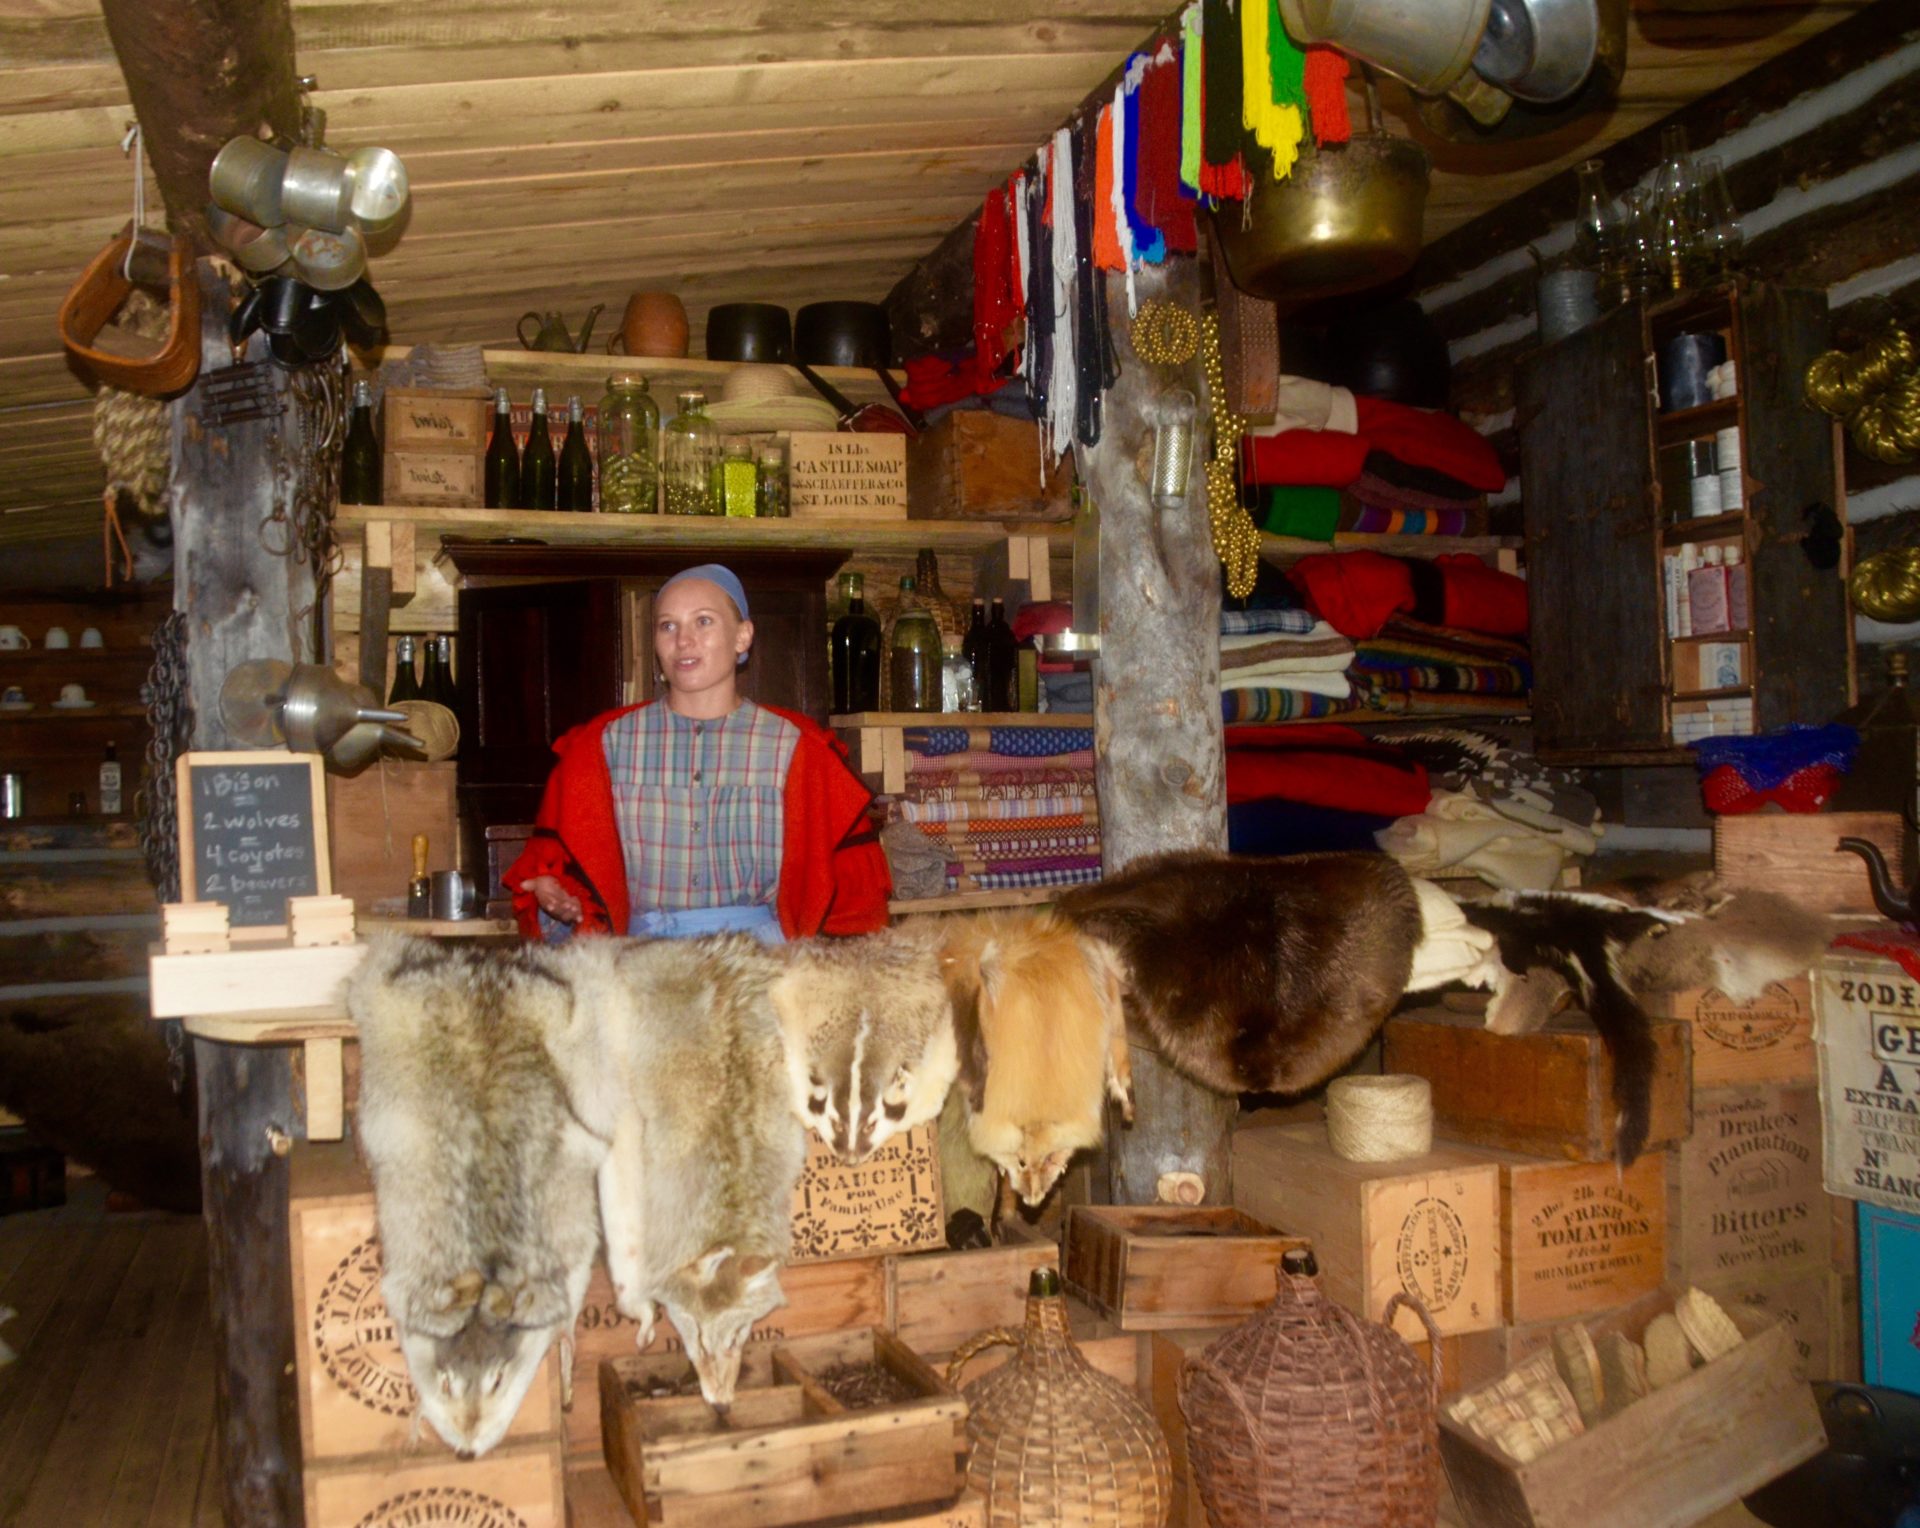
[1412, 655]
[1445, 703]
[1377, 520]
[1239, 623]
[1015, 880]
[1013, 742]
[1278, 705]
[1322, 650]
[1332, 684]
[996, 765]
[976, 811]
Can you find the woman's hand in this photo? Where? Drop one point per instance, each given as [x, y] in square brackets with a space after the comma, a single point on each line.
[553, 898]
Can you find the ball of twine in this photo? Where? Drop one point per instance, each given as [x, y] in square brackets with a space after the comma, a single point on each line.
[1380, 1119]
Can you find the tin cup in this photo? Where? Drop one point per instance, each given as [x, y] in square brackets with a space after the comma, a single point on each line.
[246, 178]
[318, 189]
[451, 895]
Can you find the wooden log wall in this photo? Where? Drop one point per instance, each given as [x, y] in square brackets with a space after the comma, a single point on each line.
[1821, 149]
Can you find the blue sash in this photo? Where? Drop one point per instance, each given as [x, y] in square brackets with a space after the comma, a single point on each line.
[690, 922]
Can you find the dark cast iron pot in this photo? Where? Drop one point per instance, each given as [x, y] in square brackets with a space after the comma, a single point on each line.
[749, 331]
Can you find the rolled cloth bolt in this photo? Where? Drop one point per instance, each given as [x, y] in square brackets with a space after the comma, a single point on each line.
[1380, 1119]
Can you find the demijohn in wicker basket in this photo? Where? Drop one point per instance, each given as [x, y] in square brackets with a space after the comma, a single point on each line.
[1309, 1415]
[1056, 1443]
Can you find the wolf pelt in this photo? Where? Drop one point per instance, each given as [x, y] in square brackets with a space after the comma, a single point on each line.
[868, 1029]
[1256, 974]
[696, 1192]
[1042, 1040]
[483, 1170]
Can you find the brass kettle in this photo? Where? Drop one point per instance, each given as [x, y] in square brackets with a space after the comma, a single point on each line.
[551, 331]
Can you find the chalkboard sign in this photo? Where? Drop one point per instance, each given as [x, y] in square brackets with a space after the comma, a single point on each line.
[253, 833]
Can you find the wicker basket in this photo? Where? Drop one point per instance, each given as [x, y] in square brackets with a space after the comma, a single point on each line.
[1308, 1415]
[1056, 1443]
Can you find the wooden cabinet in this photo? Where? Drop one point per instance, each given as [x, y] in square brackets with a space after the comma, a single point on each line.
[1614, 680]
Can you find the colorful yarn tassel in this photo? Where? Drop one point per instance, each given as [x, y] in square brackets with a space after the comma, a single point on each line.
[1325, 84]
[1277, 125]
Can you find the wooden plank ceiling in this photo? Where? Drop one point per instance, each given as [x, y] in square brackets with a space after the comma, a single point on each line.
[566, 154]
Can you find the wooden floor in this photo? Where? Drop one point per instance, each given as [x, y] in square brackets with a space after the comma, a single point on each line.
[106, 1417]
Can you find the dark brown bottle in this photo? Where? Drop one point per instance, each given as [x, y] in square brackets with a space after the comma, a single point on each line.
[856, 655]
[360, 453]
[406, 684]
[973, 646]
[502, 465]
[538, 470]
[1003, 662]
[575, 490]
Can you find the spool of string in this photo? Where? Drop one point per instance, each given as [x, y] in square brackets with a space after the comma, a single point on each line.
[1380, 1119]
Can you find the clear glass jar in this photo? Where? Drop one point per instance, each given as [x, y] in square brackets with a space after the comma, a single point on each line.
[914, 662]
[629, 447]
[770, 486]
[734, 476]
[689, 455]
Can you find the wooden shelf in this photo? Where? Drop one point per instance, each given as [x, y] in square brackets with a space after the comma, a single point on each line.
[1707, 528]
[665, 374]
[1281, 549]
[962, 719]
[48, 712]
[1694, 423]
[1741, 635]
[975, 901]
[699, 532]
[1733, 692]
[45, 656]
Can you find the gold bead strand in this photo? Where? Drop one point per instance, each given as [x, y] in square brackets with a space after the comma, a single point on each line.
[1236, 539]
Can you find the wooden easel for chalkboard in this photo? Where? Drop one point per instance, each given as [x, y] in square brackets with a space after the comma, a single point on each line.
[253, 835]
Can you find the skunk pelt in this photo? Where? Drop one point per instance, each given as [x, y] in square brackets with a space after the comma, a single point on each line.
[1041, 1037]
[1256, 974]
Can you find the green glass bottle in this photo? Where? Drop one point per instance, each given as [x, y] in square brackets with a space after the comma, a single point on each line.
[538, 471]
[501, 469]
[575, 490]
[856, 654]
[360, 453]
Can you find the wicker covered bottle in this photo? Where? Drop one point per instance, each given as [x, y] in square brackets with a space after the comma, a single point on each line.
[1056, 1443]
[1306, 1414]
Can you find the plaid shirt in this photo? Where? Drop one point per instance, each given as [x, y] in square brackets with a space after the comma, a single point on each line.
[699, 805]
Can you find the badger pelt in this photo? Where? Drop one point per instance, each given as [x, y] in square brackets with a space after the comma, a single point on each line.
[1256, 974]
[868, 1029]
[696, 1194]
[1733, 939]
[1042, 1040]
[483, 1170]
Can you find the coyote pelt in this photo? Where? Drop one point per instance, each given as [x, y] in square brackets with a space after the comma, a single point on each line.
[1042, 1040]
[868, 1029]
[696, 1194]
[1736, 939]
[483, 1171]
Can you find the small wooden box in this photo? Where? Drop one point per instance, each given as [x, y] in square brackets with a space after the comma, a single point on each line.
[455, 420]
[1769, 851]
[940, 1299]
[356, 1396]
[1767, 1040]
[1429, 1225]
[1153, 1266]
[518, 1485]
[1744, 1194]
[821, 1297]
[443, 479]
[1548, 1094]
[1577, 1237]
[1667, 1460]
[372, 817]
[978, 465]
[888, 1203]
[840, 476]
[1869, 1059]
[788, 1452]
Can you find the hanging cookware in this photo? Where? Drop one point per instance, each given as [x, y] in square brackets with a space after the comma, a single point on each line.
[1446, 120]
[852, 334]
[245, 180]
[749, 331]
[1427, 43]
[1346, 219]
[1539, 50]
[325, 260]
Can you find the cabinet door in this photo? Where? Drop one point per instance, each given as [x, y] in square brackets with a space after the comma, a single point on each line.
[1593, 557]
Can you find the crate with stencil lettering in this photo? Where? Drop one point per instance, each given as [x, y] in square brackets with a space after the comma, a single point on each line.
[1744, 1192]
[890, 1202]
[1578, 1237]
[356, 1397]
[1428, 1225]
[517, 1485]
[843, 476]
[1765, 1039]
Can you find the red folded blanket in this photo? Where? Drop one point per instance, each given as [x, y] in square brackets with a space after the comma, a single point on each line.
[1358, 592]
[1423, 438]
[1326, 770]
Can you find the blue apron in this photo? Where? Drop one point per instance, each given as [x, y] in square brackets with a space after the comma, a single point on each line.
[691, 922]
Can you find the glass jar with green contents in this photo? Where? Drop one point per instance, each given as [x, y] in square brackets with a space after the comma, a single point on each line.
[734, 477]
[770, 487]
[689, 459]
[629, 447]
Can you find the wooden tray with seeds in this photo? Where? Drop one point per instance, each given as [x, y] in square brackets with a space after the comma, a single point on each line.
[821, 1428]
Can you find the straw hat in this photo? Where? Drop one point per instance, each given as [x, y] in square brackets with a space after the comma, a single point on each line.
[752, 380]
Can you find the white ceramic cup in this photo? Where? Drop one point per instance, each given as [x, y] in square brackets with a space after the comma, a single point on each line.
[57, 638]
[91, 637]
[13, 640]
[73, 695]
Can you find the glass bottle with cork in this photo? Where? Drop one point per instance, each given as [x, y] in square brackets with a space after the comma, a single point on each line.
[500, 471]
[406, 683]
[110, 782]
[973, 647]
[574, 489]
[734, 476]
[914, 655]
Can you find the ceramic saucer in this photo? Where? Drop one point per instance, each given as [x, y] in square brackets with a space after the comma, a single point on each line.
[72, 705]
[16, 705]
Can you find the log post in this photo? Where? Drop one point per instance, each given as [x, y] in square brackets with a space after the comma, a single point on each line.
[1158, 741]
[243, 598]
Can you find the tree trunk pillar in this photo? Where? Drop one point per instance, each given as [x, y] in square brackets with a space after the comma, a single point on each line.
[1159, 744]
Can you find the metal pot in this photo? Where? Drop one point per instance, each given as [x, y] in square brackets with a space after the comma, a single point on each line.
[1451, 122]
[1347, 218]
[1539, 50]
[843, 334]
[1427, 43]
[749, 331]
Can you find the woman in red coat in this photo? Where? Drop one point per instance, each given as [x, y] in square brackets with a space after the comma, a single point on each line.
[704, 811]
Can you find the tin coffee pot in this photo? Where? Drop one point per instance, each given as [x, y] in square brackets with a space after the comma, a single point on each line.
[552, 331]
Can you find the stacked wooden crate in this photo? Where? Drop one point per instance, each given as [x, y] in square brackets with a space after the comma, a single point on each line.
[432, 447]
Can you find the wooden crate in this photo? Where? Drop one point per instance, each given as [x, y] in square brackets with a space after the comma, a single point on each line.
[1869, 1045]
[1577, 1237]
[371, 819]
[1744, 1194]
[1167, 1351]
[1768, 851]
[593, 1501]
[518, 1485]
[890, 1202]
[446, 420]
[978, 465]
[1468, 1360]
[840, 476]
[436, 479]
[787, 1452]
[356, 1397]
[1429, 1225]
[1548, 1094]
[1668, 1460]
[1816, 1310]
[1767, 1040]
[821, 1297]
[1152, 1266]
[940, 1299]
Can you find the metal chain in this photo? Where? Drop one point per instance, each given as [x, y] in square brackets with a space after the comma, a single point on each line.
[169, 731]
[306, 470]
